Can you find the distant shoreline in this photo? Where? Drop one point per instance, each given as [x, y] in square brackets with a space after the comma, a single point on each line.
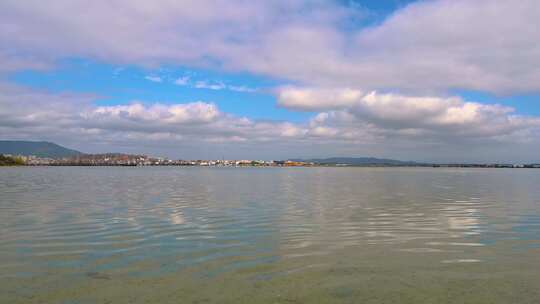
[302, 166]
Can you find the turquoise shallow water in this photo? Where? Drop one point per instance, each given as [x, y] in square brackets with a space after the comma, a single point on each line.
[269, 235]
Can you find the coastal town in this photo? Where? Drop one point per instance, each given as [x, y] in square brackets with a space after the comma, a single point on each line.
[120, 159]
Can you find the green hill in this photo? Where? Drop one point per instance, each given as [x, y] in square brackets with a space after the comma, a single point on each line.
[36, 148]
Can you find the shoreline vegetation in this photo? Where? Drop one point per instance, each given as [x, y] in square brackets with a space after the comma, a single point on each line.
[11, 161]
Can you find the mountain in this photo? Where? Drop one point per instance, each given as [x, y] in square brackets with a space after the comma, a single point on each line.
[359, 161]
[36, 148]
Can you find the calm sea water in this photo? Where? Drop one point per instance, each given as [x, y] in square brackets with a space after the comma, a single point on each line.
[269, 235]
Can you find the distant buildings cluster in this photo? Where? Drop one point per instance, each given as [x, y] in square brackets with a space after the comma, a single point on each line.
[116, 159]
[119, 159]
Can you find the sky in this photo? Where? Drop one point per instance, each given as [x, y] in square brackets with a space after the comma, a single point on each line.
[438, 80]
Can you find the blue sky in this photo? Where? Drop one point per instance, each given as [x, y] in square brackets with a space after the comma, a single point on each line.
[422, 80]
[124, 84]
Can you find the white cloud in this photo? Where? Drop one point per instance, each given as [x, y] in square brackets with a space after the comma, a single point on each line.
[118, 71]
[212, 85]
[313, 99]
[197, 112]
[194, 33]
[76, 117]
[439, 45]
[429, 46]
[15, 60]
[448, 117]
[242, 89]
[412, 127]
[153, 78]
[209, 85]
[182, 81]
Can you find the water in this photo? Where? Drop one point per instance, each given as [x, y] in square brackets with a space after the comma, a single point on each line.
[269, 235]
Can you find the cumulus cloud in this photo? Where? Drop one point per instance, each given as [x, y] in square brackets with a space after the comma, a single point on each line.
[370, 119]
[448, 117]
[428, 46]
[75, 117]
[191, 113]
[455, 44]
[180, 32]
[306, 99]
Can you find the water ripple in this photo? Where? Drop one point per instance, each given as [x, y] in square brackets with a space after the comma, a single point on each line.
[233, 219]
